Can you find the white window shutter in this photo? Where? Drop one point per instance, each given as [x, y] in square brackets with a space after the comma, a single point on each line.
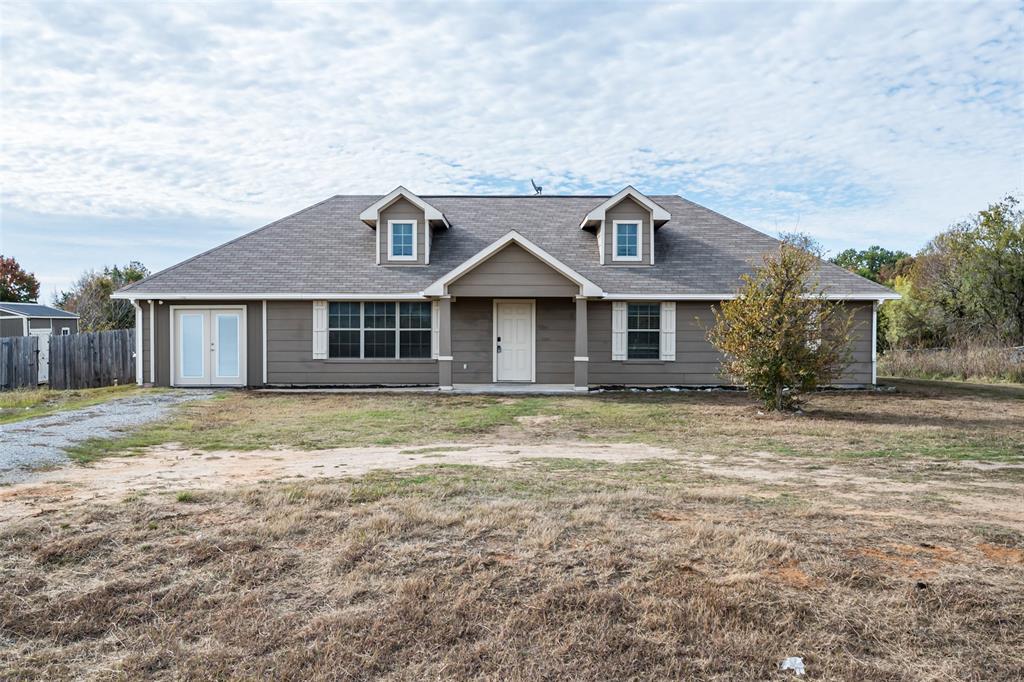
[319, 330]
[435, 329]
[619, 311]
[668, 330]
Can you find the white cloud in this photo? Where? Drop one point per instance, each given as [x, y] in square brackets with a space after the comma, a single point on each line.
[859, 122]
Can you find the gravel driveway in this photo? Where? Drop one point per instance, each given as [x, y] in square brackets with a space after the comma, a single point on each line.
[39, 442]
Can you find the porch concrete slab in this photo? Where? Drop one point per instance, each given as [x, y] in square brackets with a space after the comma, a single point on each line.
[492, 389]
[501, 389]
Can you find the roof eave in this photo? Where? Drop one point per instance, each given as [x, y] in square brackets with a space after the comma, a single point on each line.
[658, 213]
[371, 214]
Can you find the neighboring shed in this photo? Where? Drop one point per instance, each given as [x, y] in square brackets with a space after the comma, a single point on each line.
[23, 319]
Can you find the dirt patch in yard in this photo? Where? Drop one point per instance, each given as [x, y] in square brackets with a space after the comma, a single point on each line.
[172, 467]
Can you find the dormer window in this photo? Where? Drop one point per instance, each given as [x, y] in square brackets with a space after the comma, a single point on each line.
[402, 240]
[624, 225]
[627, 242]
[397, 218]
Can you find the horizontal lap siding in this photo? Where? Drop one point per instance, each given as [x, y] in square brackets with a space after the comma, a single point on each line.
[402, 209]
[513, 273]
[859, 371]
[556, 340]
[162, 316]
[627, 209]
[290, 356]
[473, 338]
[14, 326]
[472, 335]
[697, 361]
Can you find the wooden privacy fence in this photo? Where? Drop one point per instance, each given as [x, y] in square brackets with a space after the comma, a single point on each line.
[92, 359]
[18, 364]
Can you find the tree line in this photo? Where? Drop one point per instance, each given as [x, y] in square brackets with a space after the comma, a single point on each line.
[964, 287]
[88, 297]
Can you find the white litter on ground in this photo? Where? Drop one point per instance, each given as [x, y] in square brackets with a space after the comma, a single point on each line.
[794, 663]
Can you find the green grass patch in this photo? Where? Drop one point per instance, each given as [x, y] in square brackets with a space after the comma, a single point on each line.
[836, 425]
[24, 404]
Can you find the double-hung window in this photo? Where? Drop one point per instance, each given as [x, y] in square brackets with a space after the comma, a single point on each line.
[402, 240]
[379, 330]
[626, 241]
[643, 330]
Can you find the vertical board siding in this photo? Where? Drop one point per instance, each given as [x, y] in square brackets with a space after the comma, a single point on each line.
[19, 367]
[92, 359]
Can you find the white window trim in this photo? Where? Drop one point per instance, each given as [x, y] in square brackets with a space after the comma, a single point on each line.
[639, 257]
[65, 331]
[661, 319]
[391, 234]
[397, 329]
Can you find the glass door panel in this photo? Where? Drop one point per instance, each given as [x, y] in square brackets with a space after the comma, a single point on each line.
[227, 346]
[192, 345]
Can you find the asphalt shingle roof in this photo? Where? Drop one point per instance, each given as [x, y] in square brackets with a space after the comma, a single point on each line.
[34, 310]
[326, 249]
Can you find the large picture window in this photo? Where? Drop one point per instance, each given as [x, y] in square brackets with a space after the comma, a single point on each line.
[379, 330]
[643, 331]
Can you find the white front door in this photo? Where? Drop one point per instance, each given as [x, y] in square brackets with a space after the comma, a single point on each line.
[43, 358]
[209, 347]
[514, 340]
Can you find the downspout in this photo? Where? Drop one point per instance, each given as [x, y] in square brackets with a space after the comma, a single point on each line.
[152, 344]
[874, 342]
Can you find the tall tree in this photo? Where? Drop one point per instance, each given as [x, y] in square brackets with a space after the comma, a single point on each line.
[17, 285]
[875, 263]
[90, 297]
[973, 275]
[781, 336]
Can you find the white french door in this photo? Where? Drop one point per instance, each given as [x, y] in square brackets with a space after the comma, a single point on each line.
[209, 346]
[514, 340]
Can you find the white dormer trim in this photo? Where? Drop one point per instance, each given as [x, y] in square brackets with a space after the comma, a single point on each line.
[440, 287]
[658, 213]
[371, 214]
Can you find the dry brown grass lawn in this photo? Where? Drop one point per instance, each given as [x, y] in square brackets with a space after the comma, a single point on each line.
[709, 566]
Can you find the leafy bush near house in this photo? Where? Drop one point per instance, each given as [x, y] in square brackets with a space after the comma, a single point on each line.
[781, 336]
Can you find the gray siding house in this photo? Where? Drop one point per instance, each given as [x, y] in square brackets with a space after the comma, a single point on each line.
[575, 291]
[23, 319]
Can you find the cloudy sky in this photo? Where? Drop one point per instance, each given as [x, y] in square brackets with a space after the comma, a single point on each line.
[153, 131]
